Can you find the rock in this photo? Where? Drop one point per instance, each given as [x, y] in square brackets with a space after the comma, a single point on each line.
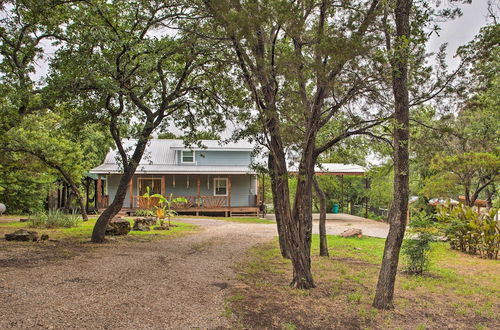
[150, 221]
[44, 237]
[22, 235]
[23, 220]
[3, 208]
[352, 232]
[161, 228]
[117, 227]
[140, 226]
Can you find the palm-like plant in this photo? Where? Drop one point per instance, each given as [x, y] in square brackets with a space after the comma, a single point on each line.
[164, 207]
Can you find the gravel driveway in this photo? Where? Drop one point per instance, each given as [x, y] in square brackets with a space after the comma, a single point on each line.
[176, 284]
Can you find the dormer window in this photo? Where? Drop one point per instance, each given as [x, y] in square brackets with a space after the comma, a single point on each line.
[187, 156]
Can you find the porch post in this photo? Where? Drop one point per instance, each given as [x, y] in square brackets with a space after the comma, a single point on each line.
[257, 194]
[130, 191]
[163, 185]
[198, 184]
[99, 191]
[229, 193]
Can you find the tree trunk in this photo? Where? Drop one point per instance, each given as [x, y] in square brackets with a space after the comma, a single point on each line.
[323, 244]
[98, 234]
[397, 216]
[278, 208]
[302, 217]
[79, 197]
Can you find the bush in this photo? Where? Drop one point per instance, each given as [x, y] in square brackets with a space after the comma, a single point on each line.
[470, 232]
[417, 245]
[144, 213]
[54, 219]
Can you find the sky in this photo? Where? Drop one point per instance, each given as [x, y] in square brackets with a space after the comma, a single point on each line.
[461, 30]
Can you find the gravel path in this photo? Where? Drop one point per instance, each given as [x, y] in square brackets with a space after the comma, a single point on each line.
[175, 284]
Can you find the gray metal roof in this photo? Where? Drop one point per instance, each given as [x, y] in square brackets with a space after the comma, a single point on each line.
[160, 158]
[335, 168]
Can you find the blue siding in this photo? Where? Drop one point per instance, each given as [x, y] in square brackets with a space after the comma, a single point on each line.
[218, 158]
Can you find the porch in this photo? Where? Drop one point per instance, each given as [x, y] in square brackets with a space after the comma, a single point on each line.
[228, 195]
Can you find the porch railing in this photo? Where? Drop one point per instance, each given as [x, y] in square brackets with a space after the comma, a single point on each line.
[208, 202]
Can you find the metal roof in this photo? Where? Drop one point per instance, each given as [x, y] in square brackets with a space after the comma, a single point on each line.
[335, 169]
[160, 158]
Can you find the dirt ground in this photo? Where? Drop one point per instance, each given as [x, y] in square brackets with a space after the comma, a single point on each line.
[176, 283]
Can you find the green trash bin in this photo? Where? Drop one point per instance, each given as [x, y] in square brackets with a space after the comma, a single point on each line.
[335, 208]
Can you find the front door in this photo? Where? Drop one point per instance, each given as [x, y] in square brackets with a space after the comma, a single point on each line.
[154, 185]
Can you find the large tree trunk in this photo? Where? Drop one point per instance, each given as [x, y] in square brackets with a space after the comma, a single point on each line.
[278, 207]
[323, 244]
[98, 234]
[302, 218]
[397, 216]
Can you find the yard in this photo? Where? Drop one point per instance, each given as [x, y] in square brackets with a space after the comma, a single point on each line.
[459, 292]
[69, 242]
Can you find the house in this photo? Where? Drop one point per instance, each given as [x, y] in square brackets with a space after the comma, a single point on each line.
[214, 179]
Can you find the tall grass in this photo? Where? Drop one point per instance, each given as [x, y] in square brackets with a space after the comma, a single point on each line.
[54, 219]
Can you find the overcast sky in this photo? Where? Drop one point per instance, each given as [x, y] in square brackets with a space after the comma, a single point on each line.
[461, 30]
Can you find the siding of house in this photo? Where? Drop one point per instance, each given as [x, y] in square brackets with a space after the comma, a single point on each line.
[209, 157]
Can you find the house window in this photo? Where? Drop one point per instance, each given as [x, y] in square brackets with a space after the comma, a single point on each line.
[220, 186]
[187, 156]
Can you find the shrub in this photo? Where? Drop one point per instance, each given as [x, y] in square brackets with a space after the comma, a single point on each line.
[470, 232]
[417, 245]
[144, 213]
[54, 219]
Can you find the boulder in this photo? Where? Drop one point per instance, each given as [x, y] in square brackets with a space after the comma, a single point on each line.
[140, 226]
[352, 232]
[22, 235]
[150, 221]
[118, 226]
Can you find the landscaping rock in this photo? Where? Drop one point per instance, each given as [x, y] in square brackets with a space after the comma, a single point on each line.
[161, 228]
[140, 226]
[118, 226]
[150, 221]
[352, 232]
[22, 235]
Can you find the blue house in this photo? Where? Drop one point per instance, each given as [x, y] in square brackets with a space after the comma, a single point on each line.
[216, 178]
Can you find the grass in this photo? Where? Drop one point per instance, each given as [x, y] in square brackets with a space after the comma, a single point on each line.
[84, 231]
[460, 291]
[233, 219]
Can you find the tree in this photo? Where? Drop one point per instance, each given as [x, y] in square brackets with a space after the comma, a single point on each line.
[45, 136]
[473, 171]
[138, 75]
[301, 63]
[398, 211]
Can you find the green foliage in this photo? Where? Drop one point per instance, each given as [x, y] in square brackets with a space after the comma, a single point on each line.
[416, 246]
[54, 219]
[471, 232]
[144, 213]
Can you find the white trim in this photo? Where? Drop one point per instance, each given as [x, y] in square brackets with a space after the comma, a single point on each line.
[182, 156]
[215, 185]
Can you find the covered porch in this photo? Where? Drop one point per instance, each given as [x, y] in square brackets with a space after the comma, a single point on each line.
[227, 195]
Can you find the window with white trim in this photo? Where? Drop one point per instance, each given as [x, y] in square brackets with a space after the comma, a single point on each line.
[220, 186]
[187, 156]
